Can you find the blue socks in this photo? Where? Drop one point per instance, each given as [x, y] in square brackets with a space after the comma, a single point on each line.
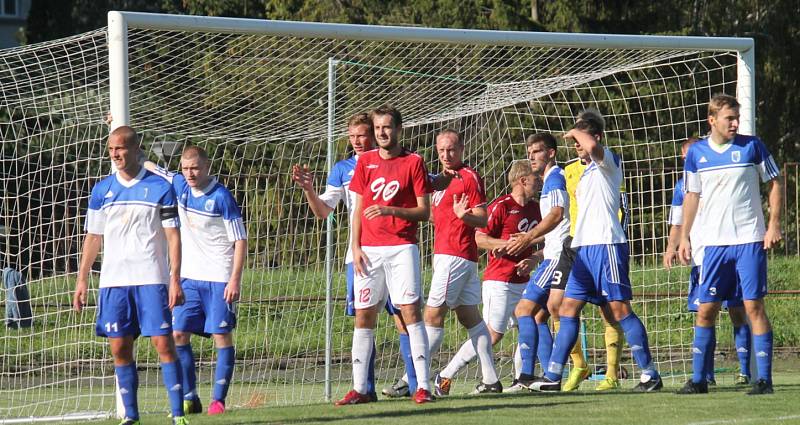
[171, 374]
[708, 367]
[528, 341]
[371, 371]
[703, 341]
[636, 336]
[186, 359]
[545, 344]
[742, 341]
[762, 345]
[565, 340]
[223, 372]
[128, 380]
[405, 352]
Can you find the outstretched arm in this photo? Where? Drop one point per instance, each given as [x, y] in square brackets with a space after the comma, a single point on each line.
[520, 242]
[303, 177]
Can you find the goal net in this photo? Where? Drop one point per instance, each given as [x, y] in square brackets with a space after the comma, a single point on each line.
[261, 96]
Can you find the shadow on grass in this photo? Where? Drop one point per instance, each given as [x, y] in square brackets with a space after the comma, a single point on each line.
[406, 411]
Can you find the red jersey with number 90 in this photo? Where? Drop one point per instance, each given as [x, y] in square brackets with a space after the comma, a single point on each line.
[395, 182]
[507, 217]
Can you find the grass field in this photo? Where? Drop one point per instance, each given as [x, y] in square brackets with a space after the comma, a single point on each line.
[725, 404]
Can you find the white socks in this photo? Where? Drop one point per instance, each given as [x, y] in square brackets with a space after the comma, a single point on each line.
[464, 355]
[482, 344]
[435, 337]
[420, 353]
[363, 342]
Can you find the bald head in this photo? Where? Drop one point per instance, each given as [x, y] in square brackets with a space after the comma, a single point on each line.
[127, 135]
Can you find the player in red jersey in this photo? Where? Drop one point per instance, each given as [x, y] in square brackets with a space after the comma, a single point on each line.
[458, 210]
[391, 186]
[505, 276]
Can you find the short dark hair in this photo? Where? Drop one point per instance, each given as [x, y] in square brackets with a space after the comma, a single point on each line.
[591, 121]
[719, 101]
[361, 118]
[546, 138]
[128, 135]
[397, 119]
[450, 131]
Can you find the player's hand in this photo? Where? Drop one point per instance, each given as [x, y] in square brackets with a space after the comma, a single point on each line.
[303, 177]
[175, 294]
[360, 262]
[373, 211]
[669, 258]
[524, 267]
[460, 206]
[450, 174]
[685, 252]
[231, 293]
[518, 242]
[79, 299]
[500, 251]
[772, 237]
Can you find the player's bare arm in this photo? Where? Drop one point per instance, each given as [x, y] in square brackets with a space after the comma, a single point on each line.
[673, 241]
[173, 235]
[421, 212]
[91, 247]
[773, 235]
[588, 143]
[304, 178]
[690, 203]
[473, 217]
[233, 288]
[497, 247]
[521, 241]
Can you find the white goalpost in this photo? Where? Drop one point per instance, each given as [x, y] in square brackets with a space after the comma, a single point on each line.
[261, 96]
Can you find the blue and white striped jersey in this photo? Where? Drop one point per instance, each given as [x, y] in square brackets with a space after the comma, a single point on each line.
[554, 194]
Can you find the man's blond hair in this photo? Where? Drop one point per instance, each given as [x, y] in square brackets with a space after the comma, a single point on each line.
[519, 168]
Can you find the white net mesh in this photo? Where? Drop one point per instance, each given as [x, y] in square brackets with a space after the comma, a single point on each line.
[258, 104]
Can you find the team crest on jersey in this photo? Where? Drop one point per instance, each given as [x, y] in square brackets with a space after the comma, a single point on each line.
[736, 156]
[209, 205]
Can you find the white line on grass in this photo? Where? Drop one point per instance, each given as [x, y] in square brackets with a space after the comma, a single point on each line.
[743, 420]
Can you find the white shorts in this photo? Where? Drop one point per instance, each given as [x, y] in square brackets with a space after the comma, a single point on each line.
[455, 282]
[499, 301]
[392, 270]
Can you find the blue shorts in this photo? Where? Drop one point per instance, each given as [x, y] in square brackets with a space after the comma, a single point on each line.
[727, 269]
[694, 297]
[538, 288]
[600, 274]
[350, 308]
[204, 310]
[133, 310]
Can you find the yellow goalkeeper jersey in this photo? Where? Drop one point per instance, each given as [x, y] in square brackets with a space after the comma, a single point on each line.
[572, 173]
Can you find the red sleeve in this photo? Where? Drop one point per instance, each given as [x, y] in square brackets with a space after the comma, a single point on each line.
[357, 182]
[494, 226]
[473, 187]
[419, 175]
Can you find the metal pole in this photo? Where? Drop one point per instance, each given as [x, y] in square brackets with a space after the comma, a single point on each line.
[329, 232]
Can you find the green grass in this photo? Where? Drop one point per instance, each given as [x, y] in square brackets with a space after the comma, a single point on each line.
[725, 404]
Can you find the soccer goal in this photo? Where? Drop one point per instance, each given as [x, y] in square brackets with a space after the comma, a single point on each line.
[263, 95]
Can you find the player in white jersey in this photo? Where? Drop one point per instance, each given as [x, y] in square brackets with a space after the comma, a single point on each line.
[600, 272]
[735, 305]
[456, 212]
[214, 249]
[722, 180]
[531, 311]
[133, 216]
[362, 139]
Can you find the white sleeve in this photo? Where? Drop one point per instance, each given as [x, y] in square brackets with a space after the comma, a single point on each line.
[163, 173]
[676, 215]
[95, 221]
[692, 182]
[332, 195]
[236, 230]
